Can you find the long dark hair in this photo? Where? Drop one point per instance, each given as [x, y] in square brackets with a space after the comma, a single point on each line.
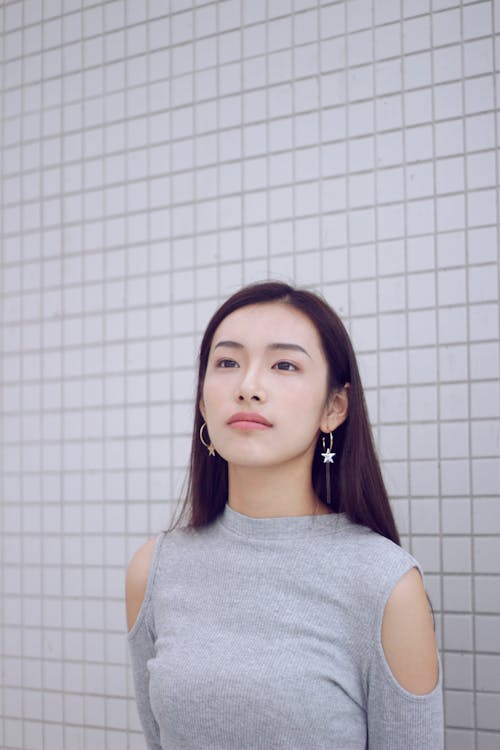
[357, 487]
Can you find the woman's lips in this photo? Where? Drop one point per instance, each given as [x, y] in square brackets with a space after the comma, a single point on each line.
[248, 421]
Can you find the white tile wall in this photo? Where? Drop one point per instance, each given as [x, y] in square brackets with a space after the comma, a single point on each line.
[155, 156]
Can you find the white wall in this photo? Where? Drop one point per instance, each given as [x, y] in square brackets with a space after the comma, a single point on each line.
[156, 156]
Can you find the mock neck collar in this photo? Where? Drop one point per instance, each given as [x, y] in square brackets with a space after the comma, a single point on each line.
[282, 526]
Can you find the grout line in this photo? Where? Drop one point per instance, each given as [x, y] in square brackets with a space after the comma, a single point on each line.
[348, 242]
[22, 498]
[268, 188]
[408, 440]
[467, 340]
[63, 586]
[103, 439]
[126, 427]
[173, 483]
[3, 430]
[293, 116]
[321, 143]
[376, 249]
[439, 418]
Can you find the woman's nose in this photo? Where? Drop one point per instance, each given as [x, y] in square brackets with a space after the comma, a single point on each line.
[250, 388]
[245, 397]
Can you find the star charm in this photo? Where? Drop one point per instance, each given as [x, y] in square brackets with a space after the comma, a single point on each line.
[328, 456]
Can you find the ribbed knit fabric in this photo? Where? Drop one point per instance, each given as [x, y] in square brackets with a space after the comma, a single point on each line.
[264, 634]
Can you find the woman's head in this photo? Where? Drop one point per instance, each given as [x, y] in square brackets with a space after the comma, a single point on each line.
[266, 392]
[278, 314]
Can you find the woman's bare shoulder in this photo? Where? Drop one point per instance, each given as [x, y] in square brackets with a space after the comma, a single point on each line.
[408, 637]
[137, 579]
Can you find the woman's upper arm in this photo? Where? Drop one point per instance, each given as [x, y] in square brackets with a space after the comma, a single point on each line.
[137, 579]
[408, 637]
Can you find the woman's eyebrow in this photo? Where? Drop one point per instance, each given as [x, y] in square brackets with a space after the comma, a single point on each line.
[230, 344]
[293, 347]
[279, 345]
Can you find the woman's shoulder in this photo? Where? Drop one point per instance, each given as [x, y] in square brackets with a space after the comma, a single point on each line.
[371, 548]
[388, 597]
[138, 574]
[372, 565]
[408, 637]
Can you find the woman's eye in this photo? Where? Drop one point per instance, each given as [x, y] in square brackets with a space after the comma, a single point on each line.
[225, 363]
[285, 366]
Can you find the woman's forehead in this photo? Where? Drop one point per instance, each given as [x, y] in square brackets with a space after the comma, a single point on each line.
[268, 322]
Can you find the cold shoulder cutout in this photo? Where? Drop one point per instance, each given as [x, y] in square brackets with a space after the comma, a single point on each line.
[408, 637]
[137, 579]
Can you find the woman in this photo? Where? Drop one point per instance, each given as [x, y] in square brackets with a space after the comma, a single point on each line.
[283, 613]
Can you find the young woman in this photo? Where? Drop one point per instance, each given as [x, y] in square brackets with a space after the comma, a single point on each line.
[282, 614]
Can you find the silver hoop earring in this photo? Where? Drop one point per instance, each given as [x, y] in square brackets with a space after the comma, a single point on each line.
[209, 446]
[328, 456]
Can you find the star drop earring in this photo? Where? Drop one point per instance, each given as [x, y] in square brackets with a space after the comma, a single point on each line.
[328, 456]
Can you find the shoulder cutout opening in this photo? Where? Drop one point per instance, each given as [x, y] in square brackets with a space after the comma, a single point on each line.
[408, 637]
[137, 579]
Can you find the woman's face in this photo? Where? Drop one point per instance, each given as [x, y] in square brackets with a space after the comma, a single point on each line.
[266, 363]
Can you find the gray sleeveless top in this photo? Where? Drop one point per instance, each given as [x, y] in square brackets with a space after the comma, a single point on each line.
[265, 634]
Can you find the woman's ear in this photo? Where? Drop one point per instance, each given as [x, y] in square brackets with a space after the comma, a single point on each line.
[201, 407]
[336, 410]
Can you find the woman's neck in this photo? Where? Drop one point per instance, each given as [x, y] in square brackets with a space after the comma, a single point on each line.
[268, 492]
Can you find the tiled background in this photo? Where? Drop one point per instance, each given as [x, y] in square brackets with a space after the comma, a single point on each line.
[157, 155]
